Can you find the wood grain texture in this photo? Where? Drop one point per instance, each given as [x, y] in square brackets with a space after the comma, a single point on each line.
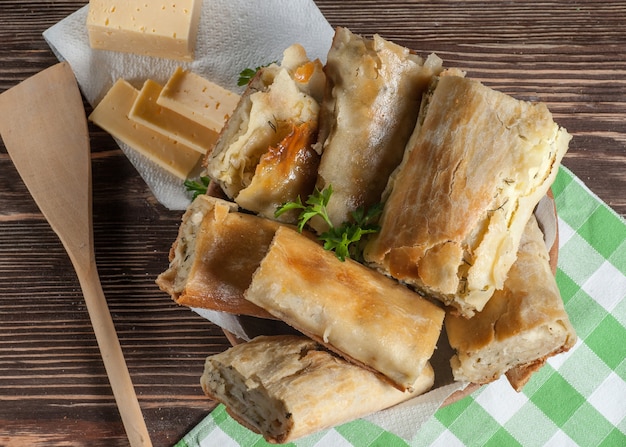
[53, 387]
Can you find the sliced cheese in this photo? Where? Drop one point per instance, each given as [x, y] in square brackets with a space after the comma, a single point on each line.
[179, 128]
[198, 99]
[111, 114]
[160, 28]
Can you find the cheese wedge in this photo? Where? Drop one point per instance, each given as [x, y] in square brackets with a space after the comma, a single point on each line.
[198, 99]
[111, 114]
[160, 28]
[179, 128]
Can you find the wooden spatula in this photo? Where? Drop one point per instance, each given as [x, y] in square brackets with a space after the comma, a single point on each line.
[44, 128]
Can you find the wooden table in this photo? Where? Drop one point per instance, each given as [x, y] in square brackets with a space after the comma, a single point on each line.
[53, 387]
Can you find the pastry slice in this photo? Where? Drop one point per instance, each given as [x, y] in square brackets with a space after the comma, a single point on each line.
[287, 387]
[214, 256]
[353, 310]
[474, 169]
[264, 156]
[372, 98]
[520, 327]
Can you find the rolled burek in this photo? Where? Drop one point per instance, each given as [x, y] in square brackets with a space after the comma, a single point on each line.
[520, 327]
[264, 156]
[214, 256]
[370, 107]
[353, 310]
[475, 166]
[287, 387]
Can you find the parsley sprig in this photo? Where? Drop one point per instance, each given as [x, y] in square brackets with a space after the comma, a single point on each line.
[315, 205]
[246, 75]
[197, 187]
[344, 240]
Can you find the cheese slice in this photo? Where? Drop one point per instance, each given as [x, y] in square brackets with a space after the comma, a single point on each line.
[198, 99]
[111, 114]
[179, 128]
[160, 28]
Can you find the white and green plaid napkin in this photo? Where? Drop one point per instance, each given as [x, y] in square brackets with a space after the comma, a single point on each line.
[576, 399]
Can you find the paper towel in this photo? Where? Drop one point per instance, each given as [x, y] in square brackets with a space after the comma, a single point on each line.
[232, 35]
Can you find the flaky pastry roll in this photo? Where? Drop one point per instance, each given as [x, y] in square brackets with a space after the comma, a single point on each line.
[372, 97]
[287, 387]
[214, 256]
[264, 156]
[521, 325]
[354, 310]
[475, 167]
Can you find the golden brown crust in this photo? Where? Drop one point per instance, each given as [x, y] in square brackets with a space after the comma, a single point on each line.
[519, 376]
[357, 311]
[286, 387]
[370, 106]
[264, 156]
[520, 326]
[483, 160]
[214, 257]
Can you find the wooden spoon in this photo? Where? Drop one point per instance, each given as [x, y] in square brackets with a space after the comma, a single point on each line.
[44, 129]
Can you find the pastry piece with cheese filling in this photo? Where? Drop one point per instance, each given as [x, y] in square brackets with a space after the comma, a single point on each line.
[214, 256]
[372, 98]
[287, 387]
[264, 156]
[521, 325]
[353, 310]
[475, 167]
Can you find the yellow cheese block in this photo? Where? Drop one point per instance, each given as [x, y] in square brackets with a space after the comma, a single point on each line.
[146, 111]
[161, 28]
[111, 114]
[198, 99]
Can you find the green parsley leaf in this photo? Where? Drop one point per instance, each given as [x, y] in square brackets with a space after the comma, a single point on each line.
[367, 220]
[315, 205]
[197, 187]
[346, 240]
[246, 75]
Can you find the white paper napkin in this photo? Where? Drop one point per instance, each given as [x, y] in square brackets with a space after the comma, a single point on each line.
[232, 35]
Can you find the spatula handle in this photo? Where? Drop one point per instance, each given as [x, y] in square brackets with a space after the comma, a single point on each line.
[113, 357]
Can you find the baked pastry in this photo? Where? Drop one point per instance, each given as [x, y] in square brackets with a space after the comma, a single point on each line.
[372, 97]
[214, 256]
[357, 312]
[264, 155]
[286, 387]
[519, 376]
[521, 325]
[455, 209]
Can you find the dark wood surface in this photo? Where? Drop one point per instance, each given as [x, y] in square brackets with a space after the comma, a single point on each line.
[53, 387]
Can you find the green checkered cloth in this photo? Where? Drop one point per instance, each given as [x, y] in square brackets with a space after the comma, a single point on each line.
[576, 399]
